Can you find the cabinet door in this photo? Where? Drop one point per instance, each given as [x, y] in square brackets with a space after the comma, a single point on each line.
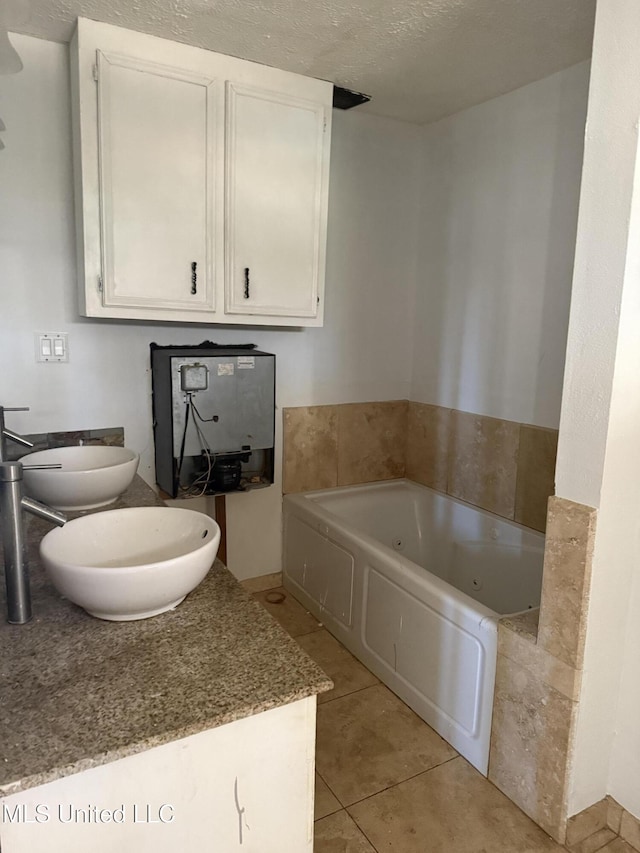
[156, 185]
[277, 150]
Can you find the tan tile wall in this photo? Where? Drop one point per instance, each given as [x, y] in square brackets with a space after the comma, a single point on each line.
[531, 732]
[310, 455]
[536, 468]
[483, 462]
[539, 673]
[566, 579]
[428, 436]
[372, 440]
[502, 466]
[327, 446]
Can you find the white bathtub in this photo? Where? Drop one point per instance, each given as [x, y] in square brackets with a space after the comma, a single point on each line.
[413, 583]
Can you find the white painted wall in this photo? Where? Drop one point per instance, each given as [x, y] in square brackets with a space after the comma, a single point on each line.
[497, 233]
[362, 353]
[598, 459]
[622, 487]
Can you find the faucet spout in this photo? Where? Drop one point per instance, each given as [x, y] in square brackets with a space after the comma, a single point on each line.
[43, 511]
[16, 569]
[7, 433]
[18, 439]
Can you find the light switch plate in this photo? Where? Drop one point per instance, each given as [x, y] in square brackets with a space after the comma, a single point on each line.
[52, 346]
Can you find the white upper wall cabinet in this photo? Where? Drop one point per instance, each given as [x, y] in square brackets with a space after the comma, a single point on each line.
[275, 222]
[201, 183]
[156, 190]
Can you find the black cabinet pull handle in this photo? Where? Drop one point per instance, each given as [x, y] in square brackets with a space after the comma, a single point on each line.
[194, 278]
[246, 282]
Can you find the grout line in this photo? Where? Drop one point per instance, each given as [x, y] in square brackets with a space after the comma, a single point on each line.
[359, 828]
[330, 788]
[401, 782]
[596, 849]
[338, 431]
[318, 819]
[363, 832]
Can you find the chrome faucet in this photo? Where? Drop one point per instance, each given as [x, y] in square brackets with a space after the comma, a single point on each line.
[12, 503]
[16, 569]
[7, 433]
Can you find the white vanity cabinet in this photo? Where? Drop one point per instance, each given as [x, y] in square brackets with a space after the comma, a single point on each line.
[201, 183]
[247, 786]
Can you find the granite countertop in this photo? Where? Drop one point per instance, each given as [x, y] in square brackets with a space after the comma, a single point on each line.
[77, 692]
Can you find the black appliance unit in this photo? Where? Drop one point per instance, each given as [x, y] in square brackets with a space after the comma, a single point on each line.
[213, 417]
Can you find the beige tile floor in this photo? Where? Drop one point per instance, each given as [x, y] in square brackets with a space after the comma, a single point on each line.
[385, 781]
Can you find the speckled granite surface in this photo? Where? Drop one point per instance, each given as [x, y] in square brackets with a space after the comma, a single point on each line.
[77, 692]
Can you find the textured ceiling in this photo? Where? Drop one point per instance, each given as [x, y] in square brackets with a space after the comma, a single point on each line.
[420, 60]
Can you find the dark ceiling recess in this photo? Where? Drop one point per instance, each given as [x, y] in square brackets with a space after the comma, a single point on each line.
[345, 99]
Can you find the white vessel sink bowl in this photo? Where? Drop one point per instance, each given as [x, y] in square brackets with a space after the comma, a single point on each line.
[125, 564]
[90, 476]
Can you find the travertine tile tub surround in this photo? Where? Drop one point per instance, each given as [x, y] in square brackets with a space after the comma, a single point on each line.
[506, 468]
[502, 466]
[539, 672]
[328, 446]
